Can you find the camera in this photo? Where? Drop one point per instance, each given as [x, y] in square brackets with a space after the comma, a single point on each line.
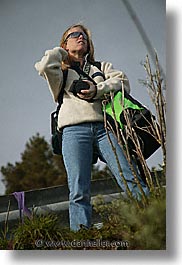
[77, 86]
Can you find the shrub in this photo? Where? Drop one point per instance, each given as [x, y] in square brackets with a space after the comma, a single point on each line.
[143, 228]
[32, 233]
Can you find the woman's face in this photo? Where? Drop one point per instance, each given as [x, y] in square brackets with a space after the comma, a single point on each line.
[76, 41]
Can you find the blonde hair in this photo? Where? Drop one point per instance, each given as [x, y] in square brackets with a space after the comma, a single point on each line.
[90, 49]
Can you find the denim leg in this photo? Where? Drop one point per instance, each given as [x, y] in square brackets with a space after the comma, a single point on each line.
[77, 147]
[108, 155]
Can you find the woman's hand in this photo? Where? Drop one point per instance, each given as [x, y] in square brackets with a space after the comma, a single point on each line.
[90, 93]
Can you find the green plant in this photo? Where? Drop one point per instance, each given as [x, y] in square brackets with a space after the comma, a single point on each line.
[34, 232]
[143, 227]
[5, 240]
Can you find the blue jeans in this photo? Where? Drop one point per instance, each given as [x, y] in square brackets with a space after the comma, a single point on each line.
[78, 142]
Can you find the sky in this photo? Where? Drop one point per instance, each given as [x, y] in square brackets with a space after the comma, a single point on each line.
[28, 28]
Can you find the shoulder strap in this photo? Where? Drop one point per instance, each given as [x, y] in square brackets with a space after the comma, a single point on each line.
[60, 97]
[82, 73]
[61, 93]
[54, 115]
[97, 64]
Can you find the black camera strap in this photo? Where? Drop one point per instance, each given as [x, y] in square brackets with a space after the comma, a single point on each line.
[86, 68]
[83, 73]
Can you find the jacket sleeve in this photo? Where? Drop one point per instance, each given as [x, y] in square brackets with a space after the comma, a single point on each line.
[49, 67]
[114, 80]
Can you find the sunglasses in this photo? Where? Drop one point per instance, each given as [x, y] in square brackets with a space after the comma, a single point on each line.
[76, 34]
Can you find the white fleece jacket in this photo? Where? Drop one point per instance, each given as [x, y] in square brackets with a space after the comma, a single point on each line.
[75, 110]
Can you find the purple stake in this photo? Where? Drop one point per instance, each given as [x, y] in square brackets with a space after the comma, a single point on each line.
[20, 197]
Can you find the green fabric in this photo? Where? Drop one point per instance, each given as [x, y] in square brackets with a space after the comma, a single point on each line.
[118, 106]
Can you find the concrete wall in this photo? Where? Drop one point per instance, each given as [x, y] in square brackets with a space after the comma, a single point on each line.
[55, 199]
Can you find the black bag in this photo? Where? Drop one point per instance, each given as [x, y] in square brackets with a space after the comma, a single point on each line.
[140, 119]
[56, 135]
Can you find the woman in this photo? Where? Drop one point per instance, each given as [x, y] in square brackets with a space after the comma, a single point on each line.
[81, 118]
